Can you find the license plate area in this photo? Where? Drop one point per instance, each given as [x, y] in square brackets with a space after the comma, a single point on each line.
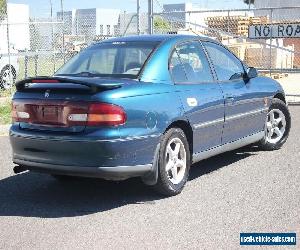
[50, 114]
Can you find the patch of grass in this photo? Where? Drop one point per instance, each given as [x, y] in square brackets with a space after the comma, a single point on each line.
[5, 113]
[44, 66]
[7, 92]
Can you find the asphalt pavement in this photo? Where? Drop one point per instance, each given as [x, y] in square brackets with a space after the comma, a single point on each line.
[242, 191]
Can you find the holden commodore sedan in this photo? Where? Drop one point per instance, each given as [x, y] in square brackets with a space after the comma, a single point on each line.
[144, 106]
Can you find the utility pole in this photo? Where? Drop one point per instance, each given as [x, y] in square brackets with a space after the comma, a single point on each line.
[63, 28]
[138, 21]
[150, 17]
[52, 35]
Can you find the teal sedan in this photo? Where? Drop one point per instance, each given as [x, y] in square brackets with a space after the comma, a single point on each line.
[144, 106]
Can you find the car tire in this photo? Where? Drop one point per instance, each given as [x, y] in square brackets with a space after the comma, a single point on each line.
[173, 163]
[277, 126]
[5, 77]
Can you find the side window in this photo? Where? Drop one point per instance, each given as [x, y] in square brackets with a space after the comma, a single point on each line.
[176, 69]
[227, 66]
[190, 59]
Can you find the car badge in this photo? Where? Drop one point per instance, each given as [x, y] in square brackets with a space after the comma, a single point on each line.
[47, 93]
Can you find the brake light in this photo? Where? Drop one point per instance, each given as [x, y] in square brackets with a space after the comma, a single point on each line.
[44, 81]
[100, 114]
[66, 114]
[105, 114]
[17, 115]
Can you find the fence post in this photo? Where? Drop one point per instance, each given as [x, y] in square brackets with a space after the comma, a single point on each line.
[8, 51]
[271, 40]
[228, 25]
[150, 17]
[63, 29]
[228, 21]
[138, 19]
[26, 66]
[36, 65]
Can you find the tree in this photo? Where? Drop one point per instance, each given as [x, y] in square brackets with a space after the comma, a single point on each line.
[161, 24]
[3, 9]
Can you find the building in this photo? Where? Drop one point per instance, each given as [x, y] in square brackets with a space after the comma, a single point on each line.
[290, 14]
[67, 17]
[183, 16]
[42, 34]
[128, 23]
[177, 20]
[283, 15]
[18, 19]
[296, 43]
[91, 22]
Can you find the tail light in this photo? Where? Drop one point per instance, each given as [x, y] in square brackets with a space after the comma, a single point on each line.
[99, 114]
[105, 114]
[62, 113]
[19, 114]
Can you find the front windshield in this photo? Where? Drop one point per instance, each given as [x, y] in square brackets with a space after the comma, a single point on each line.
[118, 59]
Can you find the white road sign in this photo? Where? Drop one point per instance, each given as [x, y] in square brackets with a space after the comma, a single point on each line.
[274, 31]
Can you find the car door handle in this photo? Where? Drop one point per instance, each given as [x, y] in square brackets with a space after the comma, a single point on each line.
[230, 100]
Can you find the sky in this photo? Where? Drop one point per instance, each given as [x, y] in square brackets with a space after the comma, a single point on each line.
[39, 8]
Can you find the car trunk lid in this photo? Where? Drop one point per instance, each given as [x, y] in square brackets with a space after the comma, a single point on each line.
[57, 103]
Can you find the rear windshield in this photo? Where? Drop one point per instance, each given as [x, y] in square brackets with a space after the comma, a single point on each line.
[116, 59]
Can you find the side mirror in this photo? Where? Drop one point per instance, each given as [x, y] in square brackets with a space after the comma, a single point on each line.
[252, 72]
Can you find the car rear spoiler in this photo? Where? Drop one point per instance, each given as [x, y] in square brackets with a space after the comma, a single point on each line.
[94, 84]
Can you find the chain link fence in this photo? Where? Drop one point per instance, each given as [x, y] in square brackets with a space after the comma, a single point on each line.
[39, 46]
[48, 42]
[278, 58]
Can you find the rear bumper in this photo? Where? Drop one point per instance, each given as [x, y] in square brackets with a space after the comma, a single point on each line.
[109, 173]
[88, 156]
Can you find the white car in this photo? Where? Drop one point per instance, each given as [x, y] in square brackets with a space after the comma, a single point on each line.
[8, 70]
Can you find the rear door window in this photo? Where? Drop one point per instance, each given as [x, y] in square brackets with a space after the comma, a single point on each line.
[176, 68]
[189, 64]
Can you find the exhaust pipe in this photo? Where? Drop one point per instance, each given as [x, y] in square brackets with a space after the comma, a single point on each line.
[19, 169]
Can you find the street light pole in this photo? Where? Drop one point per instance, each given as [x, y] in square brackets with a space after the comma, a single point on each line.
[138, 21]
[63, 28]
[150, 17]
[52, 35]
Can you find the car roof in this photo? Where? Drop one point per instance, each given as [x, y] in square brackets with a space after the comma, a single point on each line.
[155, 38]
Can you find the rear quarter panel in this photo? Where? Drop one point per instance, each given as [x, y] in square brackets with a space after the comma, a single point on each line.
[150, 109]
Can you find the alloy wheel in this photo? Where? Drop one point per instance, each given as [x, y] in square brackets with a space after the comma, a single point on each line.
[175, 158]
[275, 126]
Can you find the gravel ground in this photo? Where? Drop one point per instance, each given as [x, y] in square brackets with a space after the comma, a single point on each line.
[242, 191]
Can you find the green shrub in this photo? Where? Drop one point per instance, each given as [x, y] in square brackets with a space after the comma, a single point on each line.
[5, 113]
